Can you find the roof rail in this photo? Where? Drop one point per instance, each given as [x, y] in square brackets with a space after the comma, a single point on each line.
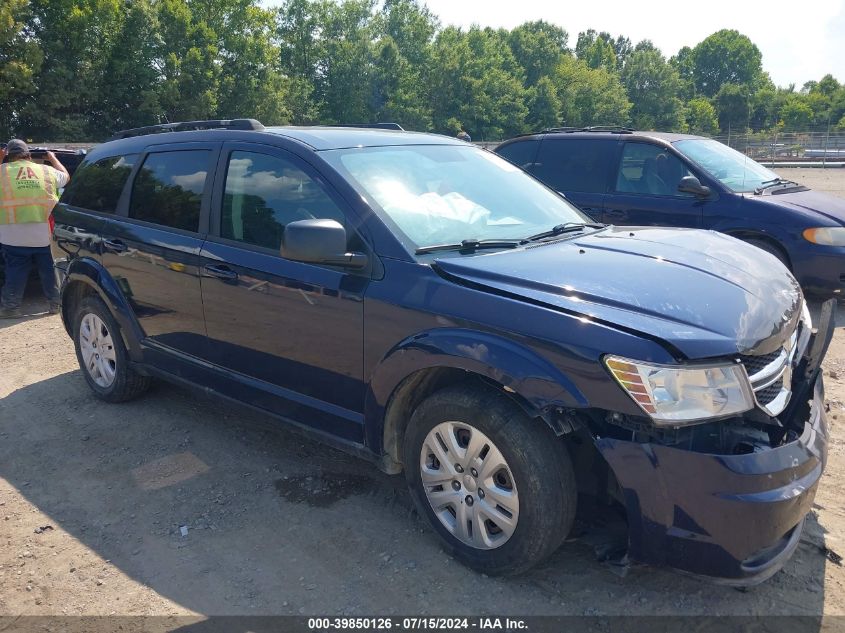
[184, 126]
[616, 129]
[619, 129]
[377, 126]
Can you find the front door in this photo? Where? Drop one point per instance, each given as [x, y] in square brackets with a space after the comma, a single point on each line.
[290, 333]
[151, 248]
[645, 191]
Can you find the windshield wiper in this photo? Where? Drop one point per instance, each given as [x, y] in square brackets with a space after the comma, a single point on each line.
[469, 245]
[774, 182]
[560, 229]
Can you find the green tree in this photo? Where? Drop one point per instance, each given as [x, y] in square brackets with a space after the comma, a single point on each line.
[796, 113]
[732, 107]
[128, 88]
[596, 50]
[590, 96]
[544, 105]
[20, 61]
[653, 86]
[538, 47]
[300, 52]
[477, 85]
[251, 81]
[683, 63]
[726, 57]
[346, 68]
[701, 117]
[75, 37]
[401, 77]
[188, 64]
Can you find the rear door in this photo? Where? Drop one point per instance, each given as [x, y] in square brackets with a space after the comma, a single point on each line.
[289, 333]
[645, 189]
[578, 168]
[151, 248]
[93, 194]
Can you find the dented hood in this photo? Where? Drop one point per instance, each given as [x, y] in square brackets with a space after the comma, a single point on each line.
[704, 293]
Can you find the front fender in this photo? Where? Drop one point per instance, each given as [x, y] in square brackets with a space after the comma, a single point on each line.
[91, 273]
[538, 383]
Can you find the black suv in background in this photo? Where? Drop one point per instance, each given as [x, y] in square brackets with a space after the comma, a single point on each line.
[424, 304]
[623, 177]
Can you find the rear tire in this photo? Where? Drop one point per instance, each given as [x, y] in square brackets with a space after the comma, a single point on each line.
[102, 355]
[497, 487]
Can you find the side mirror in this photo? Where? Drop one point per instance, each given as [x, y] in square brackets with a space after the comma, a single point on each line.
[319, 242]
[691, 184]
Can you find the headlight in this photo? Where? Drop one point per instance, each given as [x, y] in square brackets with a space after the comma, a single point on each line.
[676, 395]
[826, 235]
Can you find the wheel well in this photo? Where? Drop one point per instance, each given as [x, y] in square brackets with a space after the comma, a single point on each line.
[408, 396]
[73, 294]
[747, 236]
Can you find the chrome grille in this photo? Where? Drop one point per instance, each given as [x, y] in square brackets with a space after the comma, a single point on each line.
[771, 374]
[754, 364]
[766, 395]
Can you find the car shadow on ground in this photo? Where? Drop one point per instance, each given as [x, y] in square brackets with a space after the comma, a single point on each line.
[275, 523]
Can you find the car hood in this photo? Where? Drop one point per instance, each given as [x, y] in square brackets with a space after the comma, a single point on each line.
[811, 204]
[703, 293]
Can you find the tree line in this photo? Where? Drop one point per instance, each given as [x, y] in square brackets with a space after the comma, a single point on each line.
[78, 70]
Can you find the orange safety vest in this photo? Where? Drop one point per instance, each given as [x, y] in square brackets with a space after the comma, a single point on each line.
[28, 192]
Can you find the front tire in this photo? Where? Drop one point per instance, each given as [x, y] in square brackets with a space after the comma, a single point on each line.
[102, 354]
[771, 249]
[496, 486]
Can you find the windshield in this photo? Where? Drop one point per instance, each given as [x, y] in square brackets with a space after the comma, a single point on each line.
[443, 194]
[735, 170]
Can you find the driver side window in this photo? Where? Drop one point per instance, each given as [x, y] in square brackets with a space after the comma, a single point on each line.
[264, 193]
[651, 170]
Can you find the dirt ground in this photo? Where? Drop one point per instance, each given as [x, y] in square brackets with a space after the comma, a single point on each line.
[94, 499]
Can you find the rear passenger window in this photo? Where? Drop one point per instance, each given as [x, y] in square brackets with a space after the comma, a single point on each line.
[168, 189]
[575, 164]
[97, 186]
[264, 193]
[520, 153]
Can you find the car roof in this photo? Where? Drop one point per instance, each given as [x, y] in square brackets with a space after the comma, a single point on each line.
[668, 137]
[316, 138]
[323, 138]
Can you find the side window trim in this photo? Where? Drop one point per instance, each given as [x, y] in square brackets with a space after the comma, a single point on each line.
[205, 202]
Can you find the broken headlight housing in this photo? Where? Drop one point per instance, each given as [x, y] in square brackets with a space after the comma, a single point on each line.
[677, 395]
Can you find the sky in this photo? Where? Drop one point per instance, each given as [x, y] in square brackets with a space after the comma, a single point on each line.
[800, 42]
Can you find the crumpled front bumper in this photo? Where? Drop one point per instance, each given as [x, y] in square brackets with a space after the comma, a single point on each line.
[734, 518]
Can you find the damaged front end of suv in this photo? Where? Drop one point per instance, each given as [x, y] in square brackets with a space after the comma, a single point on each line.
[720, 485]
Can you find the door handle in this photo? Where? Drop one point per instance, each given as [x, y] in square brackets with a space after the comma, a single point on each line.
[220, 272]
[115, 246]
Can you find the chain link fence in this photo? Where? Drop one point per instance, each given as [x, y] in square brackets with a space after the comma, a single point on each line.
[786, 147]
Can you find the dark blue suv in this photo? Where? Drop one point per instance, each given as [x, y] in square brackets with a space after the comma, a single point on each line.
[426, 305]
[630, 178]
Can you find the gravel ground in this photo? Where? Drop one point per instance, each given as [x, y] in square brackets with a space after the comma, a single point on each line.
[94, 499]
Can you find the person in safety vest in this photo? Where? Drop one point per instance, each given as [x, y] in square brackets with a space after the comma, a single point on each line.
[28, 193]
